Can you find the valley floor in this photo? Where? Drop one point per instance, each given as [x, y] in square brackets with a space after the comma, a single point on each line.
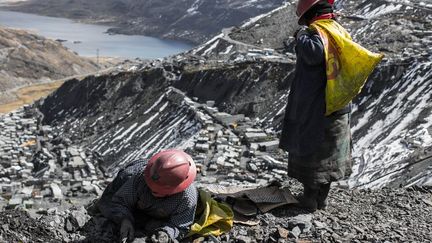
[29, 94]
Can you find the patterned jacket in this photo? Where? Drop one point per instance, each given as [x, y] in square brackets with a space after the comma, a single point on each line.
[128, 196]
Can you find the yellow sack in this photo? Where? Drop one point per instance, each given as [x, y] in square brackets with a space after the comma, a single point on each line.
[348, 64]
[213, 218]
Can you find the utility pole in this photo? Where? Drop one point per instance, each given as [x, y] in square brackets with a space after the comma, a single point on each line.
[97, 57]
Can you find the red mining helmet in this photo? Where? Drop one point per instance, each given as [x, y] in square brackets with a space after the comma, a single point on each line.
[304, 5]
[169, 172]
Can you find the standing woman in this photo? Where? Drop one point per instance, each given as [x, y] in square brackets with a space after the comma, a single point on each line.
[319, 144]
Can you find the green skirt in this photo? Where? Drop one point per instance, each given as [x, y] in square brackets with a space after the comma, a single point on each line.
[331, 161]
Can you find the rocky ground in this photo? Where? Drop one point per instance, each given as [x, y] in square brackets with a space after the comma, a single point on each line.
[18, 226]
[388, 215]
[59, 179]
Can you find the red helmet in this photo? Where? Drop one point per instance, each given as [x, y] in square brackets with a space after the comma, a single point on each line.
[304, 5]
[169, 172]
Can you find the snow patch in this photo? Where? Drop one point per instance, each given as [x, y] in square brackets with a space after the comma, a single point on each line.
[195, 51]
[389, 143]
[227, 51]
[211, 48]
[381, 10]
[257, 18]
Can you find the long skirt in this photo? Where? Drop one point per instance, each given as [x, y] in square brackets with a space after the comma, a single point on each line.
[332, 159]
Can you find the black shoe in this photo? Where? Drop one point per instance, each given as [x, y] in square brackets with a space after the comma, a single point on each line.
[322, 196]
[308, 200]
[93, 208]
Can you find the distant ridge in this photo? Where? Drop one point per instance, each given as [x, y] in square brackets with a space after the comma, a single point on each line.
[188, 20]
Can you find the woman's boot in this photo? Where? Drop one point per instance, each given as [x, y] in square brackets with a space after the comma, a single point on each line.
[322, 196]
[309, 198]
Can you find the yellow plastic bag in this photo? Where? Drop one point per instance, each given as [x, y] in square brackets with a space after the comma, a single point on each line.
[214, 219]
[348, 64]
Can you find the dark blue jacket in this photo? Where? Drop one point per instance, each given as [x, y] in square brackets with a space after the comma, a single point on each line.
[304, 122]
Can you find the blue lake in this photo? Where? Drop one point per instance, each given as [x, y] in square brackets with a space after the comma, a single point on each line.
[89, 38]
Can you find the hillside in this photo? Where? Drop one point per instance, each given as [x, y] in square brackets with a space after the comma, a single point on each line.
[223, 102]
[391, 128]
[190, 20]
[26, 59]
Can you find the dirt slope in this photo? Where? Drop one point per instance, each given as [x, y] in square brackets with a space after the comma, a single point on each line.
[26, 59]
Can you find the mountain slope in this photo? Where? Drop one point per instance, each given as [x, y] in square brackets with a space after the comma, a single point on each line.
[391, 120]
[189, 20]
[26, 58]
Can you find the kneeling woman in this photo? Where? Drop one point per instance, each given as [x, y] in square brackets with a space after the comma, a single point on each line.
[157, 196]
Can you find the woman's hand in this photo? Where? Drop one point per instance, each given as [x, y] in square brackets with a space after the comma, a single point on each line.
[160, 237]
[127, 231]
[301, 31]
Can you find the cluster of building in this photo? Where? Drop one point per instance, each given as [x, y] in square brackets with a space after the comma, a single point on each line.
[36, 164]
[232, 149]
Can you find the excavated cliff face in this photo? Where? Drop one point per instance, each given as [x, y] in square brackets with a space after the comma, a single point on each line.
[122, 117]
[391, 119]
[244, 88]
[26, 58]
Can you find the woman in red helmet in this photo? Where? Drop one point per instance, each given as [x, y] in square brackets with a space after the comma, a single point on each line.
[319, 146]
[158, 196]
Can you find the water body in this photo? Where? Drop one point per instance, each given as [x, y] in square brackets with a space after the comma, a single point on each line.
[86, 39]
